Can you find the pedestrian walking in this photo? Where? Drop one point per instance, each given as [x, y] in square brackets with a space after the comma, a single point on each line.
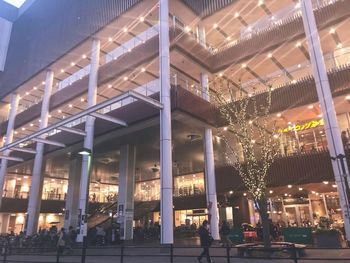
[224, 232]
[206, 241]
[62, 240]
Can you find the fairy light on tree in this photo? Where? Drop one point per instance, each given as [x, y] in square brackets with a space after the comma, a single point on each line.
[249, 123]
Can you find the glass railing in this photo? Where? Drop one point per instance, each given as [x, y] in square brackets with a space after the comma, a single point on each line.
[278, 79]
[113, 55]
[269, 23]
[132, 43]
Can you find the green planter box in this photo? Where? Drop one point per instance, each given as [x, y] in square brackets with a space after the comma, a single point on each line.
[299, 235]
[236, 235]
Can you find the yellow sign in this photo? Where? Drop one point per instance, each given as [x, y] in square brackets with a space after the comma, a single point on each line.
[303, 127]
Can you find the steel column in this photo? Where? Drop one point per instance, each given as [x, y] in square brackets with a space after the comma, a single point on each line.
[34, 202]
[9, 138]
[166, 177]
[333, 136]
[209, 170]
[88, 140]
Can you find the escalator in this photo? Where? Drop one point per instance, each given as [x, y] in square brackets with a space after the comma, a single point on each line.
[102, 214]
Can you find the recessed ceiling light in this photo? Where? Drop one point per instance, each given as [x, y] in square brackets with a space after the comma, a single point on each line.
[298, 44]
[72, 64]
[84, 56]
[70, 105]
[260, 3]
[125, 78]
[125, 29]
[325, 182]
[269, 55]
[289, 186]
[236, 14]
[142, 19]
[215, 25]
[279, 115]
[35, 88]
[332, 31]
[109, 86]
[143, 70]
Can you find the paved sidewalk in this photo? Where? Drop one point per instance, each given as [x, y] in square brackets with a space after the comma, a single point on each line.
[157, 255]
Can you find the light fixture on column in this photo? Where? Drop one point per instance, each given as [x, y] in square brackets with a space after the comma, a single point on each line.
[335, 37]
[85, 151]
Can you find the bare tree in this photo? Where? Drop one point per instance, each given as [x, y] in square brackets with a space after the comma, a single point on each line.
[249, 123]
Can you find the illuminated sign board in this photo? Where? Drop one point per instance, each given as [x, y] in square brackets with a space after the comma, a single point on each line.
[302, 127]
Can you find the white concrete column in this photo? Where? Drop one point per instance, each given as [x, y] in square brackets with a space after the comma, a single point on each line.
[209, 169]
[201, 36]
[72, 199]
[35, 193]
[9, 137]
[333, 136]
[166, 176]
[5, 220]
[126, 191]
[89, 140]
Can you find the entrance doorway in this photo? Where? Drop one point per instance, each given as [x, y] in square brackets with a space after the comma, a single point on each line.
[298, 215]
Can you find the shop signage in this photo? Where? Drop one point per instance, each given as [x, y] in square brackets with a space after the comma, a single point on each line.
[302, 127]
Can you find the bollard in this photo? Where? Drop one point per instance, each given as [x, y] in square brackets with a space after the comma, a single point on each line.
[171, 253]
[122, 254]
[4, 253]
[295, 254]
[228, 253]
[58, 256]
[83, 254]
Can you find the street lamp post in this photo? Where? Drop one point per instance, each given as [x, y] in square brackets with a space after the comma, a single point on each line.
[86, 153]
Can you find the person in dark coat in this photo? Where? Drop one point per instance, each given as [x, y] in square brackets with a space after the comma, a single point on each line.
[206, 240]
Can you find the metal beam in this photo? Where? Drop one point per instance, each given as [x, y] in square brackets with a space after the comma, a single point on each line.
[24, 150]
[11, 158]
[57, 125]
[54, 143]
[72, 130]
[108, 118]
[148, 100]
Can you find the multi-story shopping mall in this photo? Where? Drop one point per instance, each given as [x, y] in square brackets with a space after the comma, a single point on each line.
[105, 113]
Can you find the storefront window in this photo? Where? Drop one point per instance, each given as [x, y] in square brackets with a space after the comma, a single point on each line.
[103, 193]
[55, 189]
[190, 217]
[187, 185]
[147, 191]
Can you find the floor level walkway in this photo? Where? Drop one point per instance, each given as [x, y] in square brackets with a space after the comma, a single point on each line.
[137, 254]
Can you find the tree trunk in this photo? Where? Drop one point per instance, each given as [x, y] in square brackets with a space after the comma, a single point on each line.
[265, 221]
